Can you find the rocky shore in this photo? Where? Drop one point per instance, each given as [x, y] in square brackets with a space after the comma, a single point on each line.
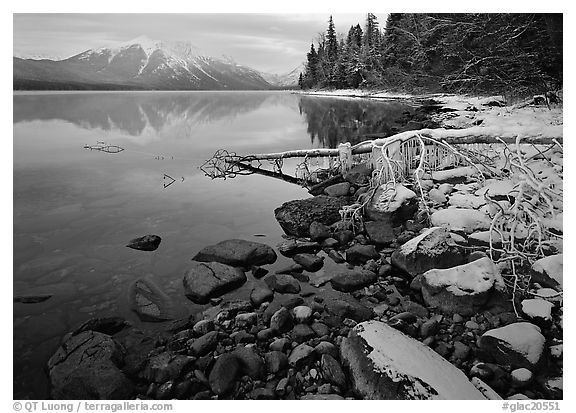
[417, 308]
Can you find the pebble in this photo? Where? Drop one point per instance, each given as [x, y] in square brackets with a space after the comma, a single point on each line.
[302, 314]
[457, 318]
[429, 328]
[300, 355]
[275, 361]
[281, 387]
[461, 351]
[471, 325]
[265, 334]
[521, 377]
[280, 344]
[302, 332]
[320, 329]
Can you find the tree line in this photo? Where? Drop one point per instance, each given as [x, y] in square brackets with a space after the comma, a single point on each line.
[472, 52]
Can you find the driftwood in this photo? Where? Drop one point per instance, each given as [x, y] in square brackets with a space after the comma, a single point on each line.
[474, 135]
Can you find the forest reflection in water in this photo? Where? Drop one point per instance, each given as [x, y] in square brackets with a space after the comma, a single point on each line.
[329, 120]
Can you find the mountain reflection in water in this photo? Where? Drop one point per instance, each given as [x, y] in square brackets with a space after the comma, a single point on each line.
[330, 121]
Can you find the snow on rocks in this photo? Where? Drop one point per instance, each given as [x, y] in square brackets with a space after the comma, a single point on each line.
[461, 219]
[463, 289]
[433, 248]
[538, 310]
[498, 190]
[469, 201]
[386, 364]
[394, 205]
[548, 271]
[517, 345]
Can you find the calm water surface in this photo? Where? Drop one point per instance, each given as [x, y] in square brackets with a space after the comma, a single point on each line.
[75, 209]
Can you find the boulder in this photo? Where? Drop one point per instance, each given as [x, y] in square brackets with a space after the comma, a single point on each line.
[464, 289]
[223, 375]
[291, 247]
[359, 254]
[86, 366]
[340, 189]
[237, 253]
[352, 280]
[203, 281]
[434, 248]
[393, 205]
[460, 220]
[517, 345]
[380, 232]
[283, 283]
[251, 364]
[149, 302]
[296, 216]
[548, 271]
[145, 243]
[386, 364]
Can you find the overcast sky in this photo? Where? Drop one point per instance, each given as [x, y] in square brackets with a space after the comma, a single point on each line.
[275, 43]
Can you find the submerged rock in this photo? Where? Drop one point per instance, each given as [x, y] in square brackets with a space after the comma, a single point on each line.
[296, 216]
[237, 253]
[145, 243]
[86, 366]
[386, 364]
[149, 302]
[517, 345]
[434, 248]
[203, 281]
[283, 283]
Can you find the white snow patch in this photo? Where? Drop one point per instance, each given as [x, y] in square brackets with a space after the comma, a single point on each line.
[466, 201]
[473, 278]
[552, 265]
[410, 246]
[524, 338]
[390, 199]
[399, 357]
[537, 308]
[460, 219]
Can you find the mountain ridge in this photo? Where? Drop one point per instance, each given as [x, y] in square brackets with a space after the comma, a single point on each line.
[143, 63]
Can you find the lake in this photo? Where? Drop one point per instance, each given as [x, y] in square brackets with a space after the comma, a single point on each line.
[75, 209]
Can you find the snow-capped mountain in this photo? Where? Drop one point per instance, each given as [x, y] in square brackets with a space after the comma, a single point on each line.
[286, 80]
[143, 63]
